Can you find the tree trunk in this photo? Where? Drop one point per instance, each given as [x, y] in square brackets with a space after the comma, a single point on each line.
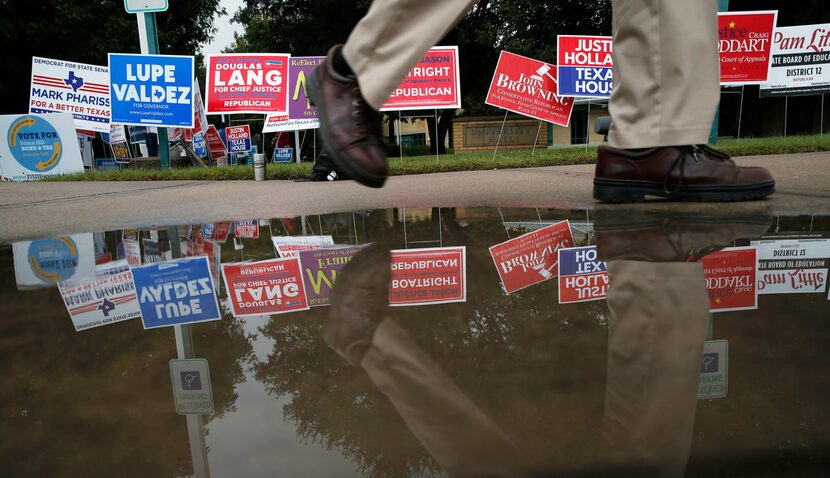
[444, 123]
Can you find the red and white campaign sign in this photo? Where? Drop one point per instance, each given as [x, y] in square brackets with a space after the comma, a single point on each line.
[582, 277]
[200, 122]
[528, 87]
[745, 46]
[584, 66]
[218, 152]
[434, 83]
[246, 229]
[428, 276]
[731, 279]
[247, 83]
[532, 257]
[265, 288]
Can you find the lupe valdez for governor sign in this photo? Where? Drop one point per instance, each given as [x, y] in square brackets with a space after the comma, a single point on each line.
[65, 87]
[247, 83]
[528, 87]
[745, 46]
[433, 84]
[800, 61]
[584, 66]
[155, 90]
[33, 146]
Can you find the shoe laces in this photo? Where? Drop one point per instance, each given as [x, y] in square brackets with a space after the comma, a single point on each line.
[697, 152]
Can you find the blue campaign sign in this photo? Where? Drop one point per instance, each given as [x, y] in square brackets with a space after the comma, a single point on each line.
[580, 260]
[282, 155]
[584, 66]
[176, 292]
[199, 145]
[107, 164]
[138, 134]
[154, 90]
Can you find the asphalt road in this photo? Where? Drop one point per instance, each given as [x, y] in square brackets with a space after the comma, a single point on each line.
[30, 210]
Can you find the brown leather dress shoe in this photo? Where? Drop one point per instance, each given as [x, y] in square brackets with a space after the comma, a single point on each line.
[684, 173]
[359, 302]
[350, 128]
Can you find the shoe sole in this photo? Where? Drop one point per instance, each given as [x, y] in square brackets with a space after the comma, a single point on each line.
[339, 159]
[626, 191]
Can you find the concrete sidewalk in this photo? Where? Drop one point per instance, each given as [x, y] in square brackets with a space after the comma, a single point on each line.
[29, 210]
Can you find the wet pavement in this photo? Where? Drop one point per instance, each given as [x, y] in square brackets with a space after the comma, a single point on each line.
[516, 344]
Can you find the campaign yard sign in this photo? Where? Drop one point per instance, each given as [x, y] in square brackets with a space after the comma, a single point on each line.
[46, 262]
[584, 66]
[176, 292]
[239, 138]
[282, 155]
[247, 83]
[101, 301]
[200, 145]
[800, 61]
[154, 90]
[428, 276]
[246, 229]
[531, 258]
[200, 122]
[320, 269]
[132, 251]
[265, 288]
[434, 83]
[730, 279]
[60, 86]
[528, 87]
[291, 246]
[33, 146]
[301, 113]
[745, 46]
[216, 147]
[582, 277]
[793, 263]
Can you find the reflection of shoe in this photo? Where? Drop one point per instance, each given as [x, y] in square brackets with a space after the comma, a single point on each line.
[686, 173]
[350, 128]
[358, 303]
[671, 238]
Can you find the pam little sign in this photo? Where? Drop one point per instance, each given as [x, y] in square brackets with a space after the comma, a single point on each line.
[433, 83]
[584, 67]
[745, 46]
[528, 87]
[247, 83]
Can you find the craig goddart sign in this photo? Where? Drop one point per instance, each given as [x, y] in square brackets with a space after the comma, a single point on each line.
[730, 279]
[584, 66]
[65, 87]
[800, 61]
[745, 46]
[247, 83]
[528, 87]
[155, 90]
[432, 84]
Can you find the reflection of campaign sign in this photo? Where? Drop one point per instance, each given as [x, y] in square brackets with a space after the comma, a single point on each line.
[730, 279]
[433, 84]
[45, 262]
[221, 231]
[216, 146]
[792, 264]
[532, 257]
[320, 269]
[291, 246]
[301, 113]
[65, 87]
[102, 301]
[282, 155]
[247, 229]
[582, 277]
[800, 61]
[528, 87]
[584, 66]
[264, 288]
[713, 381]
[239, 138]
[247, 83]
[152, 90]
[192, 391]
[33, 146]
[745, 46]
[176, 292]
[428, 276]
[132, 251]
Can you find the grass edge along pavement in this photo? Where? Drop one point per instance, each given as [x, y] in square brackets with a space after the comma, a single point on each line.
[447, 163]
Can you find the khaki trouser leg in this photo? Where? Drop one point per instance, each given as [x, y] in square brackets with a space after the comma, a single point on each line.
[666, 72]
[458, 435]
[657, 326]
[388, 42]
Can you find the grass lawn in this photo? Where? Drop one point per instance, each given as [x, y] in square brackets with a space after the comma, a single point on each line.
[445, 163]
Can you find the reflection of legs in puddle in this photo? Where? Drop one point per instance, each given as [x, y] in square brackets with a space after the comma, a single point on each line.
[658, 315]
[458, 435]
